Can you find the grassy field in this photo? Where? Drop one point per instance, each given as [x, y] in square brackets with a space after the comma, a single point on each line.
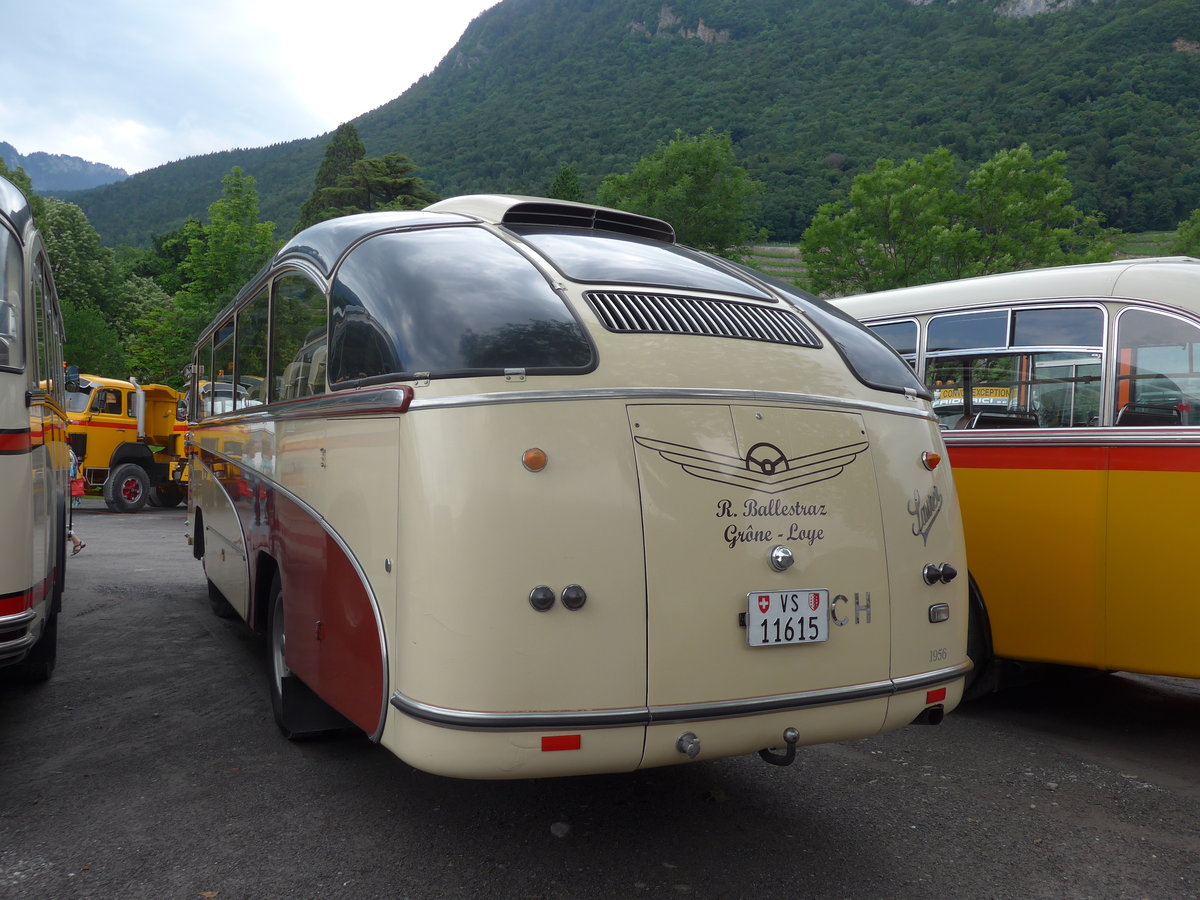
[1147, 243]
[783, 260]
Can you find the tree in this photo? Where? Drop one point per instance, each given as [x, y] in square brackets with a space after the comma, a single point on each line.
[84, 272]
[343, 151]
[89, 289]
[694, 184]
[222, 256]
[566, 185]
[921, 222]
[1187, 238]
[385, 182]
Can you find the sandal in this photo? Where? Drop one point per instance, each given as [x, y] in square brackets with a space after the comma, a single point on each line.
[77, 548]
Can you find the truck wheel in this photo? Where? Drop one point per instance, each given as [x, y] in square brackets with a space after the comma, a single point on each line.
[38, 664]
[127, 489]
[167, 496]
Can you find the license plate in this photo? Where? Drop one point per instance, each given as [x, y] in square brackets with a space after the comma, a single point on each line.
[787, 617]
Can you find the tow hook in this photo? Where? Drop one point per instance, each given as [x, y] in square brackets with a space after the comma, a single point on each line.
[790, 737]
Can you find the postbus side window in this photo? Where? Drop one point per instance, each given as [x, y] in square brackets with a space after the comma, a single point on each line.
[1158, 370]
[11, 323]
[298, 338]
[1023, 368]
[902, 336]
[252, 352]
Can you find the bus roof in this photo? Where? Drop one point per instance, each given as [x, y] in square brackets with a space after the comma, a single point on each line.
[1174, 280]
[15, 208]
[324, 243]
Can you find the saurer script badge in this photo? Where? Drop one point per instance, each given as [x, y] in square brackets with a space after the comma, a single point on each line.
[765, 467]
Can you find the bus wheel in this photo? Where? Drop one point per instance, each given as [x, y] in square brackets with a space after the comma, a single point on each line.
[127, 489]
[38, 664]
[221, 607]
[299, 712]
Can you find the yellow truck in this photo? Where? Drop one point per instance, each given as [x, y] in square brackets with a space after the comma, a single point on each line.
[128, 440]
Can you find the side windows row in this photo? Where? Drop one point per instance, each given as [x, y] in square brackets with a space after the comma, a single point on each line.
[272, 349]
[1045, 367]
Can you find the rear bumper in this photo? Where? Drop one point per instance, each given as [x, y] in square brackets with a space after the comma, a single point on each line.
[471, 720]
[17, 636]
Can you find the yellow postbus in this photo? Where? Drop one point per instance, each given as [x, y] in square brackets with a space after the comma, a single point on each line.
[523, 488]
[1078, 490]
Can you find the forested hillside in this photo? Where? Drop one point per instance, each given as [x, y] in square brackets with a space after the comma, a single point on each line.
[812, 92]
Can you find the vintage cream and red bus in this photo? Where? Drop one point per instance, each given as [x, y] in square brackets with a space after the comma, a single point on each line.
[1077, 491]
[524, 488]
[34, 461]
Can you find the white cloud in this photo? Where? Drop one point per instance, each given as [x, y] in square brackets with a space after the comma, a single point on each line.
[138, 83]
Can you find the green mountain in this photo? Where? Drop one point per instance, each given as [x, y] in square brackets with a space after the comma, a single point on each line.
[812, 92]
[57, 172]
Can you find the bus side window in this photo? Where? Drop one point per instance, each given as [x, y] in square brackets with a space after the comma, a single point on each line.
[1158, 372]
[13, 271]
[298, 338]
[1025, 387]
[252, 352]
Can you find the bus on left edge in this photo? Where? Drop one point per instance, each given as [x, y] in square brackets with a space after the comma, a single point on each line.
[34, 459]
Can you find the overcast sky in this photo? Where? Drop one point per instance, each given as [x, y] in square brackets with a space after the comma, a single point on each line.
[138, 83]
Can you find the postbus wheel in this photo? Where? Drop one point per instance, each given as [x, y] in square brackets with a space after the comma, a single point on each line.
[127, 489]
[38, 664]
[299, 713]
[982, 678]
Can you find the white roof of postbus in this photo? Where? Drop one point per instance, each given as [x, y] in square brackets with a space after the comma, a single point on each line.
[1173, 280]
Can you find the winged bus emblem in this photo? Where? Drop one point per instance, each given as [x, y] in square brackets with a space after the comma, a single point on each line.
[764, 468]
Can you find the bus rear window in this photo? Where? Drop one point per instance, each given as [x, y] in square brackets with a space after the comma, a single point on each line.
[599, 257]
[446, 302]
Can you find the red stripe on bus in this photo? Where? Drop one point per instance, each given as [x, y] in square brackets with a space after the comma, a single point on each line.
[1094, 459]
[93, 424]
[11, 604]
[15, 441]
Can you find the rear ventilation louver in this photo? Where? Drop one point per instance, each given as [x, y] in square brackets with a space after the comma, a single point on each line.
[675, 314]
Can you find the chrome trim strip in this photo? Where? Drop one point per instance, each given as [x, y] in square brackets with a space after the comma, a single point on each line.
[471, 720]
[1097, 436]
[337, 539]
[368, 401]
[644, 394]
[392, 401]
[25, 615]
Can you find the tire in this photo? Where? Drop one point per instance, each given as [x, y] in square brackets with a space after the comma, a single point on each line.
[38, 664]
[221, 607]
[127, 489]
[981, 680]
[167, 496]
[277, 669]
[299, 713]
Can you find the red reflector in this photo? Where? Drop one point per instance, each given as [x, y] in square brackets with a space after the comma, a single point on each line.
[935, 696]
[561, 742]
